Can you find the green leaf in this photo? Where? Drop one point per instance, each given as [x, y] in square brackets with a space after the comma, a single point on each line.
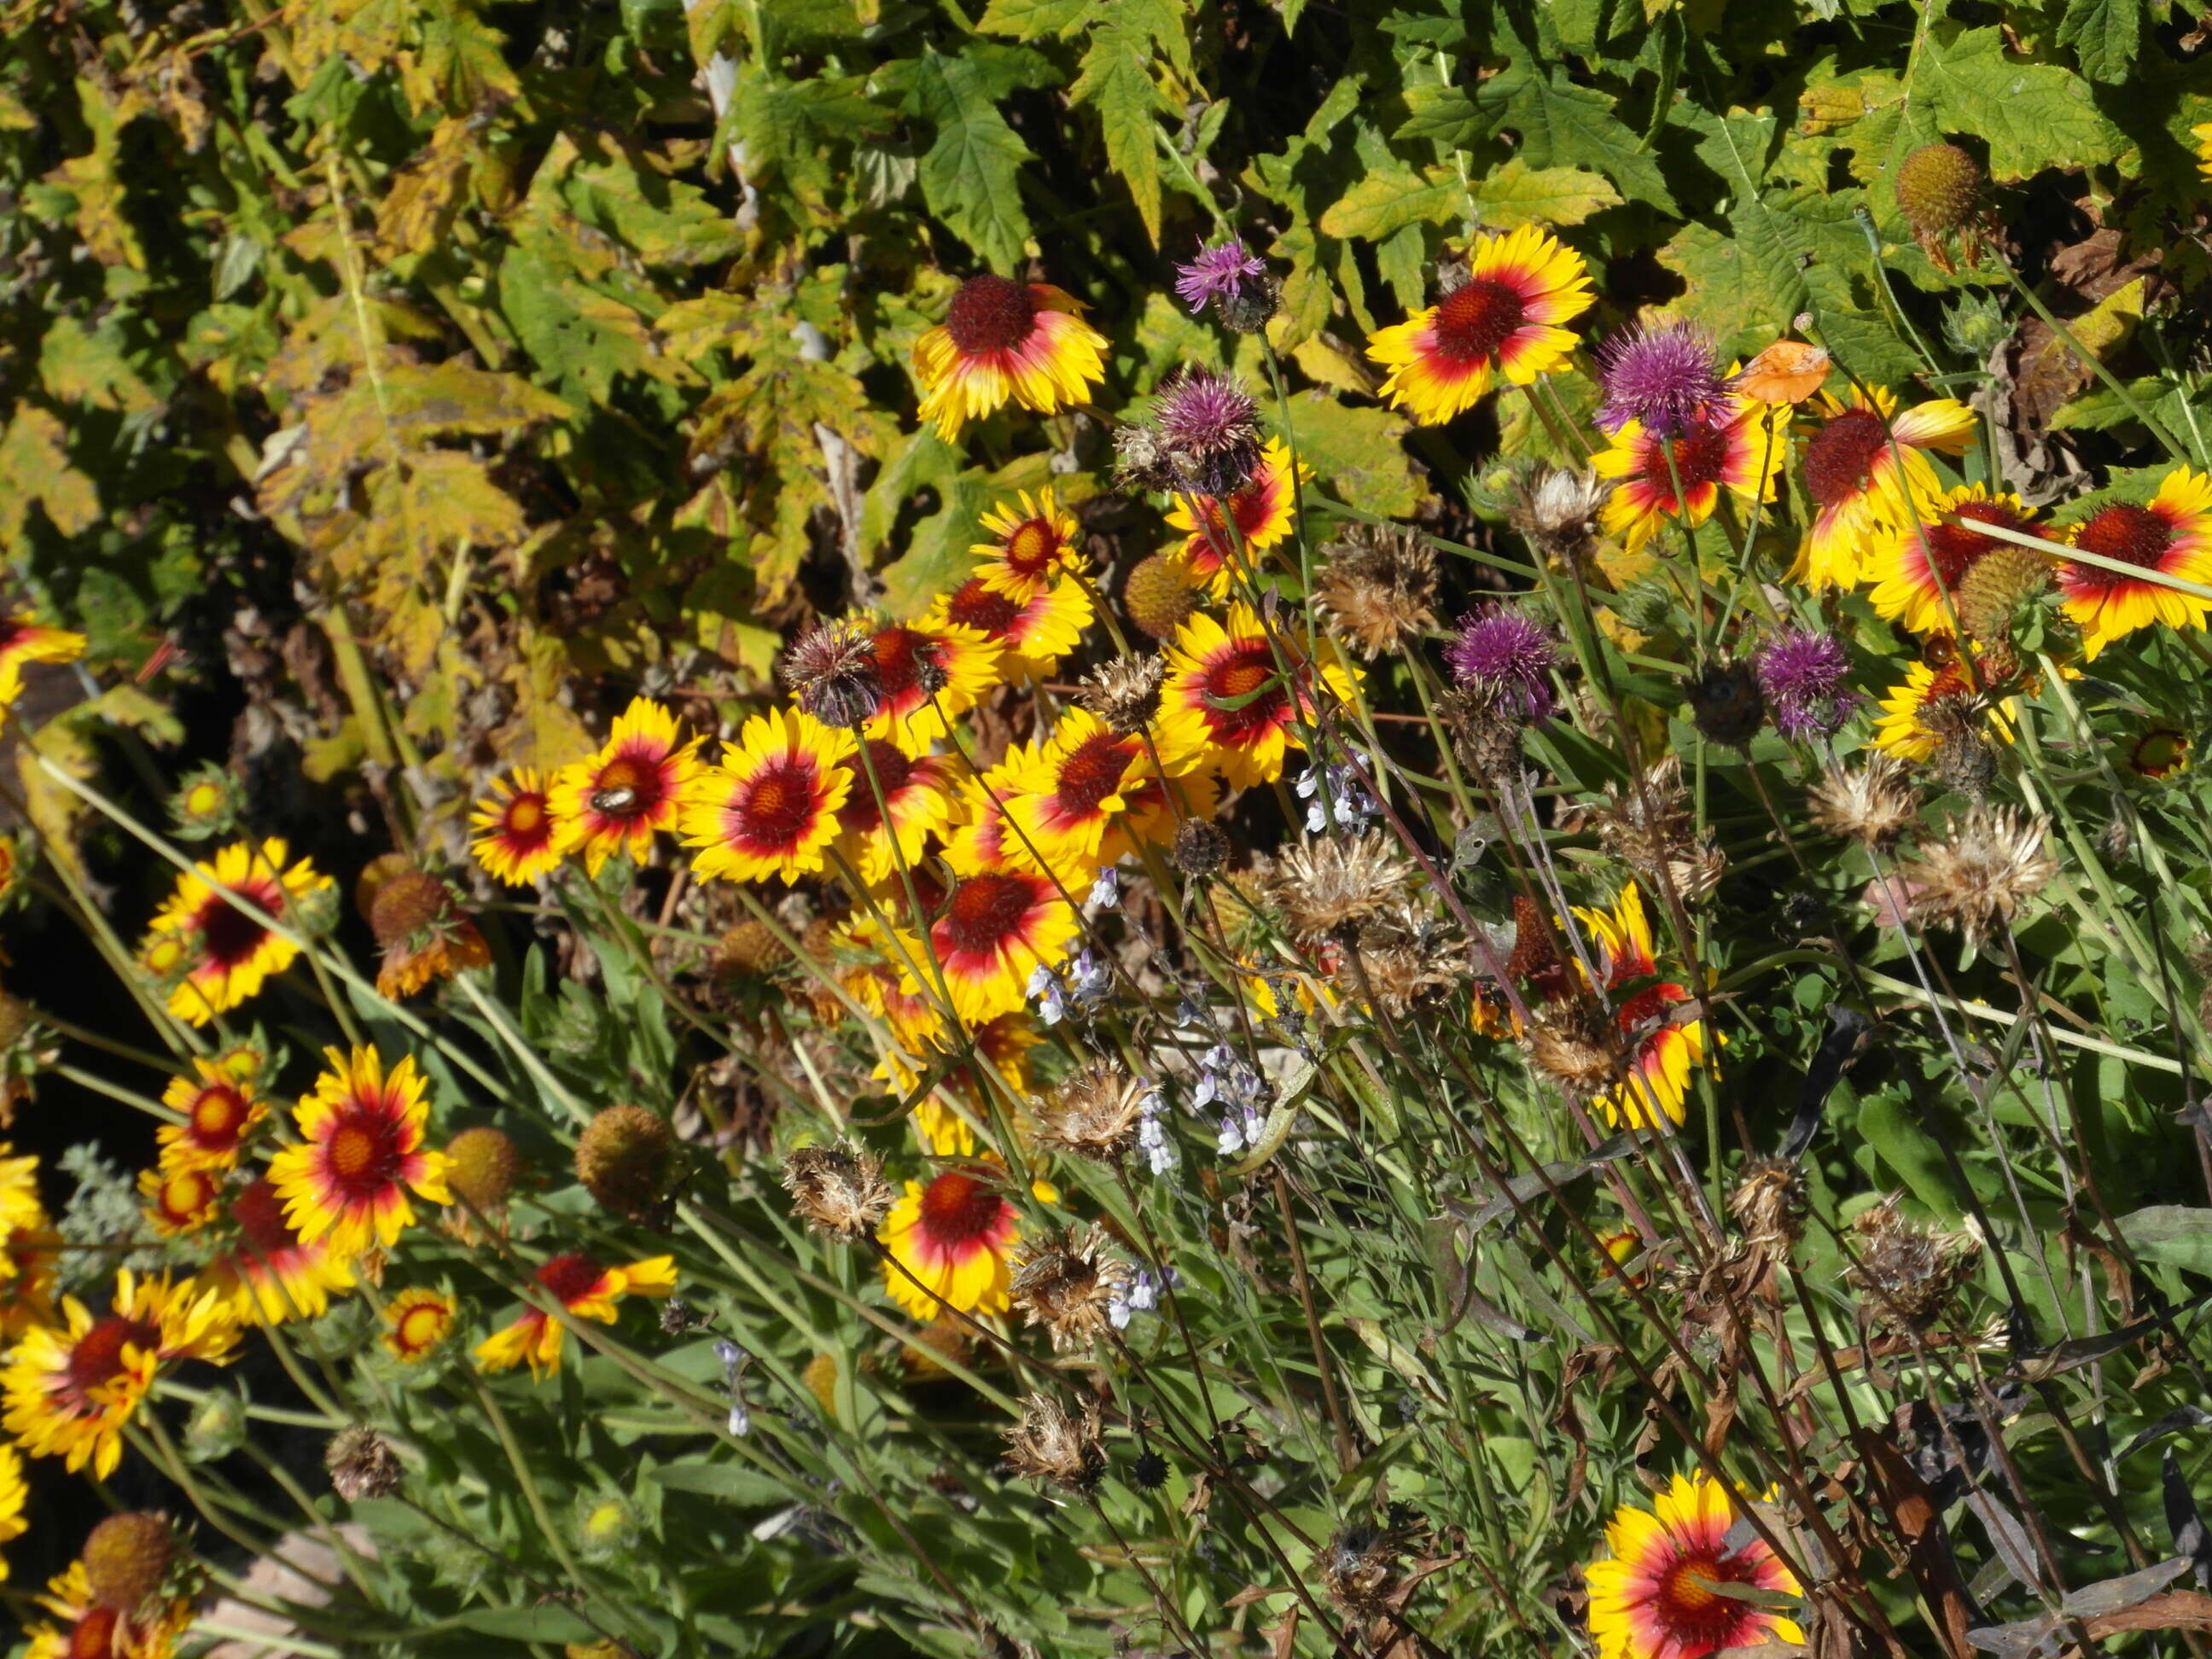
[2172, 1233]
[1383, 204]
[1027, 20]
[2033, 115]
[732, 1482]
[1562, 124]
[971, 176]
[1444, 115]
[1518, 194]
[548, 1622]
[1358, 450]
[2104, 34]
[1117, 82]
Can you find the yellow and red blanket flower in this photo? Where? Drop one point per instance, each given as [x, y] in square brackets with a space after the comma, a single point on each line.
[1652, 1596]
[28, 1255]
[416, 1321]
[1224, 702]
[1035, 635]
[362, 1150]
[920, 791]
[24, 638]
[770, 808]
[962, 663]
[20, 1206]
[1033, 543]
[1090, 796]
[1505, 319]
[587, 1290]
[221, 1106]
[1001, 340]
[268, 1272]
[1905, 730]
[69, 1389]
[1662, 1052]
[1740, 450]
[1920, 564]
[992, 931]
[218, 955]
[986, 838]
[1867, 476]
[515, 829]
[954, 1237]
[179, 1202]
[615, 800]
[14, 1492]
[2171, 534]
[1261, 509]
[90, 1630]
[1002, 1046]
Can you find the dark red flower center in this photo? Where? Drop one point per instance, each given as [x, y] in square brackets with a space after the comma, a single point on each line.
[258, 1214]
[2159, 751]
[12, 634]
[92, 1636]
[218, 1116]
[227, 934]
[892, 770]
[1245, 668]
[570, 1277]
[901, 654]
[1839, 460]
[959, 1209]
[1953, 549]
[1092, 772]
[362, 1154]
[627, 787]
[2133, 535]
[1476, 320]
[987, 911]
[980, 608]
[989, 313]
[1699, 1618]
[779, 807]
[97, 1356]
[1700, 458]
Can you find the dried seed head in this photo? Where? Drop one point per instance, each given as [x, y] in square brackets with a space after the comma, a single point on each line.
[1379, 590]
[127, 1558]
[1142, 461]
[1989, 596]
[407, 906]
[1159, 594]
[1652, 825]
[1124, 693]
[1987, 864]
[1093, 1113]
[1769, 1204]
[1871, 804]
[1486, 730]
[1907, 1273]
[1201, 848]
[1727, 705]
[623, 1157]
[1358, 1567]
[839, 1191]
[1576, 1045]
[361, 1464]
[1068, 1284]
[832, 673]
[484, 1164]
[1938, 188]
[1396, 967]
[1050, 1445]
[747, 951]
[1324, 889]
[1966, 761]
[1556, 511]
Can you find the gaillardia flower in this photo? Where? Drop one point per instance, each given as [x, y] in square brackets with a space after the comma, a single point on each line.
[927, 675]
[1739, 451]
[1915, 715]
[615, 800]
[515, 830]
[1661, 1051]
[1001, 340]
[269, 1272]
[221, 1107]
[1261, 509]
[585, 1289]
[2171, 534]
[219, 955]
[1226, 703]
[1921, 564]
[1867, 475]
[954, 1237]
[1505, 319]
[995, 927]
[1034, 634]
[20, 1206]
[361, 1152]
[15, 1492]
[70, 1388]
[179, 1202]
[1032, 542]
[920, 791]
[24, 638]
[1090, 796]
[1653, 1595]
[770, 808]
[90, 1629]
[416, 1321]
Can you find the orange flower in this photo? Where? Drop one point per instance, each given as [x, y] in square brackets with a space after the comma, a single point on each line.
[1503, 320]
[954, 1237]
[360, 1151]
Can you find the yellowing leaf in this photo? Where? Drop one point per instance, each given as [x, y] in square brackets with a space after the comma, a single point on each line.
[1382, 202]
[34, 468]
[1516, 194]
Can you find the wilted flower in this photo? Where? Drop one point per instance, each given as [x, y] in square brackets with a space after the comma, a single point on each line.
[1125, 692]
[1211, 429]
[1802, 672]
[1324, 889]
[1576, 1045]
[1871, 804]
[1067, 1284]
[1201, 848]
[1770, 1201]
[127, 1558]
[1506, 655]
[1649, 825]
[1556, 510]
[1378, 589]
[1358, 1567]
[831, 672]
[1219, 273]
[1093, 1113]
[623, 1158]
[1727, 705]
[1987, 866]
[838, 1191]
[1049, 1444]
[361, 1463]
[1908, 1271]
[1666, 378]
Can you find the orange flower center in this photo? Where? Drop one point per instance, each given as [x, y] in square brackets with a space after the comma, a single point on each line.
[958, 1209]
[1032, 548]
[1091, 772]
[185, 1194]
[1954, 549]
[1839, 460]
[92, 1636]
[259, 1213]
[218, 1116]
[989, 313]
[1476, 319]
[97, 1356]
[986, 912]
[363, 1155]
[419, 1327]
[570, 1277]
[982, 609]
[227, 934]
[779, 808]
[1239, 671]
[2133, 535]
[525, 815]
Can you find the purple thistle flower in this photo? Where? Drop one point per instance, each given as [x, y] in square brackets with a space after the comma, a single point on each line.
[1210, 427]
[1219, 270]
[1507, 656]
[1666, 378]
[1802, 672]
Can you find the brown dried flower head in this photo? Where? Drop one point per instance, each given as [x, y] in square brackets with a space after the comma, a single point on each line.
[1907, 1273]
[1093, 1113]
[1871, 804]
[361, 1463]
[1769, 1204]
[1050, 1445]
[1324, 889]
[1556, 511]
[1397, 965]
[1650, 826]
[624, 1158]
[1067, 1284]
[839, 1191]
[1358, 1567]
[1987, 864]
[1485, 732]
[1576, 1044]
[1379, 590]
[747, 950]
[1200, 846]
[832, 673]
[1125, 693]
[127, 1558]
